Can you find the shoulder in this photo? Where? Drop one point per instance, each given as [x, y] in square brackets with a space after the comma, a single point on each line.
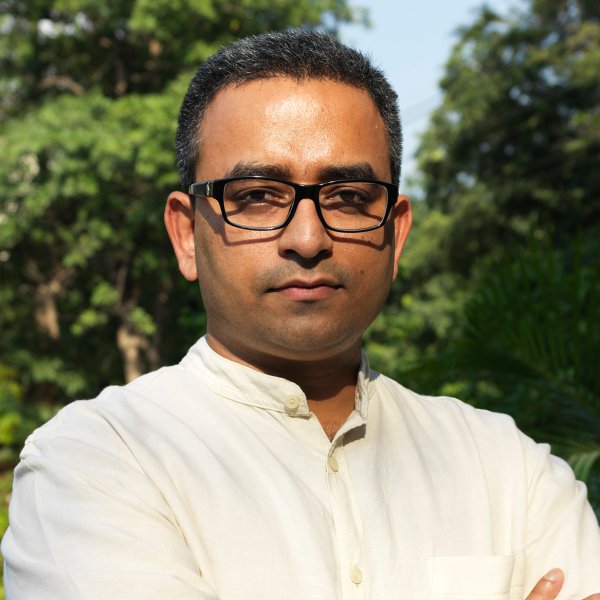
[465, 432]
[118, 412]
[464, 437]
[440, 411]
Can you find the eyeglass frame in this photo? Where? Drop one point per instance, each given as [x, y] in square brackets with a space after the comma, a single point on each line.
[214, 188]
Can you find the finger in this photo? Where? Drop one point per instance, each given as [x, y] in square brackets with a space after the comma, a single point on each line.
[548, 586]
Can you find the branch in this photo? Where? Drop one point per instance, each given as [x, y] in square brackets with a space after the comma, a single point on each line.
[62, 81]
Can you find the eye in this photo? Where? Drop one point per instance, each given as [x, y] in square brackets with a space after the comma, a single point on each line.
[256, 196]
[346, 197]
[353, 196]
[252, 193]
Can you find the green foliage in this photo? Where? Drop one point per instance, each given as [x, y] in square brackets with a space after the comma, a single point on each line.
[17, 419]
[512, 154]
[83, 238]
[124, 47]
[5, 490]
[513, 151]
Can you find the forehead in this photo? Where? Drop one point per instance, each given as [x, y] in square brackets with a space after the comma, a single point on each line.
[299, 125]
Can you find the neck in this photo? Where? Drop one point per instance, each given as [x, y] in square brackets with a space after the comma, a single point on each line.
[328, 379]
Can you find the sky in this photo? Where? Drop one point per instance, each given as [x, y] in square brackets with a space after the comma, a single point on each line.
[411, 41]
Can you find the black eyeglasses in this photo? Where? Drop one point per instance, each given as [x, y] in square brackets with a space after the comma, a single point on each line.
[264, 204]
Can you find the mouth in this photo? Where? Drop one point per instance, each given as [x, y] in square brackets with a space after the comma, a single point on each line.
[305, 290]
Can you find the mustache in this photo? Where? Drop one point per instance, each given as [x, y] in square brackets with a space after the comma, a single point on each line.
[277, 276]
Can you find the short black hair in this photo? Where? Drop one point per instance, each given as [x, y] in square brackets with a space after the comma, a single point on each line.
[296, 53]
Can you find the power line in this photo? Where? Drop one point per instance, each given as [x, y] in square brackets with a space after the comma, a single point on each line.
[420, 109]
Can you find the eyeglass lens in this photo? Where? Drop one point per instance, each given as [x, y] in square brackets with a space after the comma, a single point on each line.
[349, 205]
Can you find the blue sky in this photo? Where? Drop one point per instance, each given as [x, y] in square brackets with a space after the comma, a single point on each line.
[411, 41]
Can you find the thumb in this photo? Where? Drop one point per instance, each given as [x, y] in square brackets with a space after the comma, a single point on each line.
[548, 586]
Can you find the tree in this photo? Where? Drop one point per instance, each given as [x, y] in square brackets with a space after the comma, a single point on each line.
[514, 150]
[90, 94]
[131, 46]
[512, 154]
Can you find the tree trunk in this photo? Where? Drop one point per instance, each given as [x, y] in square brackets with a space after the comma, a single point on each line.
[45, 311]
[47, 290]
[131, 345]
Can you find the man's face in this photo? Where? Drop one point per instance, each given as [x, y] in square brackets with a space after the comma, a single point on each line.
[301, 293]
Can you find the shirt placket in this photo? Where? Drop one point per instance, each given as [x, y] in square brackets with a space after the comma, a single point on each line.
[347, 523]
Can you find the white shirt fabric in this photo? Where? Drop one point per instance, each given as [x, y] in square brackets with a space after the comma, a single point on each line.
[210, 480]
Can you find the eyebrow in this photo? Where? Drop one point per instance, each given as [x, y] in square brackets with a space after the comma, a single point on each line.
[362, 170]
[249, 169]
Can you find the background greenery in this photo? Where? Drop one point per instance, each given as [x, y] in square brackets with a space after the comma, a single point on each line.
[498, 299]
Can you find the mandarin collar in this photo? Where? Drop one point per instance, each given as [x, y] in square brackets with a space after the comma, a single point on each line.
[245, 385]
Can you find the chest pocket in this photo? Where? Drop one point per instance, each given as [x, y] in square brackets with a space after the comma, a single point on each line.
[471, 578]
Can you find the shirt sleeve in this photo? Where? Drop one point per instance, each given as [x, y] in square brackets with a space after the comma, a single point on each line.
[562, 529]
[87, 523]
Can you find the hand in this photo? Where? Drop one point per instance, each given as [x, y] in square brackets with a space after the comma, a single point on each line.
[549, 585]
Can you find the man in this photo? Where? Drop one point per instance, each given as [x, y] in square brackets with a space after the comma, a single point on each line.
[272, 463]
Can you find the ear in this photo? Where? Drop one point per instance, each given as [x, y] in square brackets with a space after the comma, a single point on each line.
[179, 220]
[402, 217]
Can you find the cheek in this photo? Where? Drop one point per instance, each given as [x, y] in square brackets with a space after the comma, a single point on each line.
[228, 260]
[371, 257]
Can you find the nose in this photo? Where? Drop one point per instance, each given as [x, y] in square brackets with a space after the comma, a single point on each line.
[305, 235]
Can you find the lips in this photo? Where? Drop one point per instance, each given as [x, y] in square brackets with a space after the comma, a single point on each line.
[307, 290]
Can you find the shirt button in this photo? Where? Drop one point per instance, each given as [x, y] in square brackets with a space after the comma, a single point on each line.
[291, 402]
[356, 574]
[333, 464]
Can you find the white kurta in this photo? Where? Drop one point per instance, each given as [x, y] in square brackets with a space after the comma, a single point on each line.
[211, 480]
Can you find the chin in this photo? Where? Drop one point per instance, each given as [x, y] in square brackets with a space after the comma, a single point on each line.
[313, 345]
